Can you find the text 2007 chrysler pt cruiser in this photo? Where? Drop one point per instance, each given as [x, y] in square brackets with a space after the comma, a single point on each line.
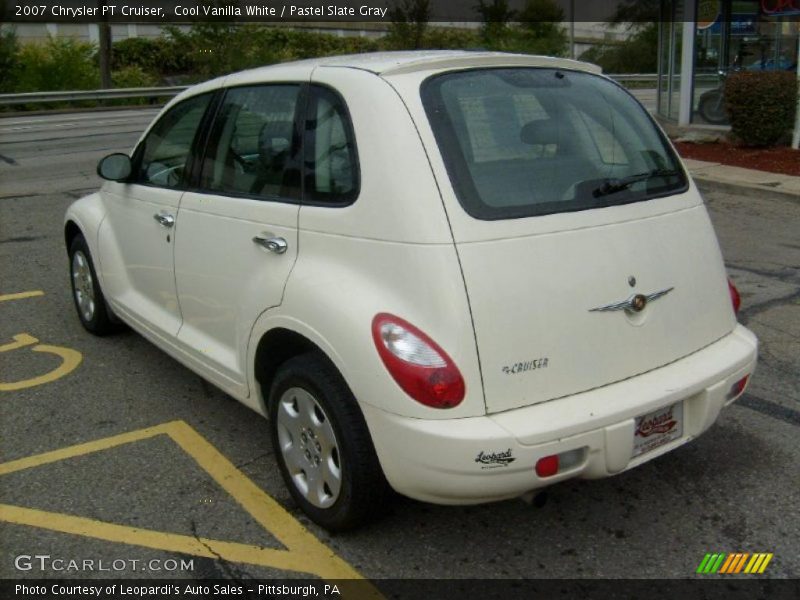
[460, 275]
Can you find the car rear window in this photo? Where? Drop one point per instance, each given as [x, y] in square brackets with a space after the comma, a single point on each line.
[520, 142]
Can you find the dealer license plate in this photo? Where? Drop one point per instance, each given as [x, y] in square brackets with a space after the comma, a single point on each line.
[657, 428]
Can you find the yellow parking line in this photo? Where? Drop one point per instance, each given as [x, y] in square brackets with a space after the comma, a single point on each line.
[21, 295]
[304, 552]
[269, 514]
[81, 449]
[169, 542]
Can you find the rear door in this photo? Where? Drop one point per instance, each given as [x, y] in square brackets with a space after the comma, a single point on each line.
[586, 257]
[238, 232]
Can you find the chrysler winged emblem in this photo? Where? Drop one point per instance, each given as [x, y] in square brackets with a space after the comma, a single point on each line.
[634, 304]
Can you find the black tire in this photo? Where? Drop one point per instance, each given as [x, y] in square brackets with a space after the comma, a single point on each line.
[712, 108]
[98, 320]
[363, 492]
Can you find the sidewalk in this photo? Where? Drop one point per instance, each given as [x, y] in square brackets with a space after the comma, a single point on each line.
[743, 181]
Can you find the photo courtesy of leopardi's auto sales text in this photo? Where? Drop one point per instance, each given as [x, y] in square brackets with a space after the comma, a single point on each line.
[362, 299]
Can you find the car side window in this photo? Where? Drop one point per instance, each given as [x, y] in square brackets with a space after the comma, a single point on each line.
[255, 147]
[165, 151]
[330, 158]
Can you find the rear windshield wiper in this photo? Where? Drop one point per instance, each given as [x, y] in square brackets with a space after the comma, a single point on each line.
[612, 186]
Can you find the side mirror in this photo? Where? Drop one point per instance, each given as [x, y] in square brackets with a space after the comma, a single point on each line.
[115, 167]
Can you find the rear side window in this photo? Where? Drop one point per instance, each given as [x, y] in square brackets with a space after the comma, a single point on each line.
[255, 148]
[331, 163]
[520, 142]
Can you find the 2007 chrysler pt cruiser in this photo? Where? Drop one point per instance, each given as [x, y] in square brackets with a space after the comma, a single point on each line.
[459, 275]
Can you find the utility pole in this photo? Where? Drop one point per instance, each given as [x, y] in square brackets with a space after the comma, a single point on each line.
[105, 50]
[796, 136]
[572, 29]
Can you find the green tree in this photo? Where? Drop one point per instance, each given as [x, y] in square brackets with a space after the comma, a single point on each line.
[496, 16]
[9, 47]
[536, 29]
[638, 54]
[637, 12]
[409, 23]
[541, 26]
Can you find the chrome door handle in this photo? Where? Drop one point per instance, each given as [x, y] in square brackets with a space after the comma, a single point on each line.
[277, 245]
[164, 219]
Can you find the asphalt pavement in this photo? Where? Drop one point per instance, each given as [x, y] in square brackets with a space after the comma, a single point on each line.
[112, 451]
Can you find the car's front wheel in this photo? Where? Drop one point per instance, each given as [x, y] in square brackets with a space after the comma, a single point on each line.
[322, 444]
[89, 301]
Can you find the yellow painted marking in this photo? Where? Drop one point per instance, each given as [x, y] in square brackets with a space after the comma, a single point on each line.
[269, 514]
[21, 295]
[70, 359]
[169, 542]
[740, 564]
[20, 341]
[759, 559]
[726, 564]
[753, 561]
[764, 564]
[304, 553]
[82, 449]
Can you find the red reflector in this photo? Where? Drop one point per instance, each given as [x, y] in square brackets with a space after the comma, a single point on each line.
[736, 299]
[738, 387]
[547, 466]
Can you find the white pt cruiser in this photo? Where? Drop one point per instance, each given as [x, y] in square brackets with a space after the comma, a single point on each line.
[460, 275]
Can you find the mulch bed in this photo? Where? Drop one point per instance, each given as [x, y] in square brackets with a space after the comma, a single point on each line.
[783, 159]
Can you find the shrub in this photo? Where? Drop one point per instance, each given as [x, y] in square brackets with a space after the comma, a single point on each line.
[547, 39]
[8, 57]
[160, 57]
[217, 48]
[132, 77]
[761, 105]
[58, 64]
[433, 38]
[446, 38]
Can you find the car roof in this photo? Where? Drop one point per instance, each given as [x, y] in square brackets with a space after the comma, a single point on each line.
[393, 63]
[387, 64]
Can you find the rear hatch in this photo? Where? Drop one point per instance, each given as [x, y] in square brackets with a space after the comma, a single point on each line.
[586, 255]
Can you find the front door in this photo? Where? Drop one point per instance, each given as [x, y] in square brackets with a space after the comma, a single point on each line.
[137, 237]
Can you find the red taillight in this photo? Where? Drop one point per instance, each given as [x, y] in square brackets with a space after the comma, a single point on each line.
[418, 364]
[547, 466]
[735, 298]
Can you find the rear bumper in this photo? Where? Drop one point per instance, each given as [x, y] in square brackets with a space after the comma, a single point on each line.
[437, 460]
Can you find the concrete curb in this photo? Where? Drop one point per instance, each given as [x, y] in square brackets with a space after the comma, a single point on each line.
[750, 191]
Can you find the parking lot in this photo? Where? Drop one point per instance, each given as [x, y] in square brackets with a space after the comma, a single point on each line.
[112, 452]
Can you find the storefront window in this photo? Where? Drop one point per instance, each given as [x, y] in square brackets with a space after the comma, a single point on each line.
[670, 48]
[739, 35]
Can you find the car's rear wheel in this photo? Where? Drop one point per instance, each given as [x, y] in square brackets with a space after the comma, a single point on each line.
[89, 301]
[324, 450]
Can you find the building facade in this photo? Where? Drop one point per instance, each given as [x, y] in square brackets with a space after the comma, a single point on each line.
[701, 41]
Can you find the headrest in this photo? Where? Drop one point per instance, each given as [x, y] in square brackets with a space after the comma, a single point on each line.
[274, 141]
[542, 131]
